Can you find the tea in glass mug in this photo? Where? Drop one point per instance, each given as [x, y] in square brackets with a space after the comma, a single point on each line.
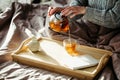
[70, 46]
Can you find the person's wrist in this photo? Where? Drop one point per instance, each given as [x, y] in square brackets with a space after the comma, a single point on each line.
[83, 10]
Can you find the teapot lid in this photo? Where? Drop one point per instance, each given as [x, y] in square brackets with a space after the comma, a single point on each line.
[58, 16]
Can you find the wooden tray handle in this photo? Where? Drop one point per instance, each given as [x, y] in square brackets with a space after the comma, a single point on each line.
[102, 63]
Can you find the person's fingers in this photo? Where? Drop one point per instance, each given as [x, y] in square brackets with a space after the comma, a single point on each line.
[69, 11]
[49, 9]
[54, 10]
[73, 15]
[66, 12]
[66, 9]
[72, 11]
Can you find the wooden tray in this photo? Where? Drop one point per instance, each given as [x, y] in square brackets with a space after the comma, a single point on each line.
[41, 60]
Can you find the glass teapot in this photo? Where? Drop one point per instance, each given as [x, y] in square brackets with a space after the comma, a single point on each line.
[59, 23]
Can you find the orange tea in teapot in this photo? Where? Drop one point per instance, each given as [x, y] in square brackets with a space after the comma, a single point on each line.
[59, 23]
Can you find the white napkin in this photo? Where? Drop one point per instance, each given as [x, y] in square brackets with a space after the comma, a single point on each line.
[57, 52]
[78, 62]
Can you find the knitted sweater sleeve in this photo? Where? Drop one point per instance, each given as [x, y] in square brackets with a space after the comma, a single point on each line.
[109, 17]
[79, 2]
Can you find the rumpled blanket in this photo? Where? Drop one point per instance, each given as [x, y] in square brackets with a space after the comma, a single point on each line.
[20, 18]
[17, 23]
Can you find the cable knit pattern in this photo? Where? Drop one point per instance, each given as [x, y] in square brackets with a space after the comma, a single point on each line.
[102, 12]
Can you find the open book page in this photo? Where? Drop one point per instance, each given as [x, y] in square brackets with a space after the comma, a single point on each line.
[57, 52]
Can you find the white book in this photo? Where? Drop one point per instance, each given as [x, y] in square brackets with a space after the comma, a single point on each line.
[58, 53]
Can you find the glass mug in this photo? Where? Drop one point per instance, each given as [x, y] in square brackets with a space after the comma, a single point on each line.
[70, 46]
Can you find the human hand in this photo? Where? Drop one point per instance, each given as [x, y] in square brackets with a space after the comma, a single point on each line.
[73, 11]
[53, 10]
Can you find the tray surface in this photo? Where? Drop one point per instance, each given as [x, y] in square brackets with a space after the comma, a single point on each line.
[41, 58]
